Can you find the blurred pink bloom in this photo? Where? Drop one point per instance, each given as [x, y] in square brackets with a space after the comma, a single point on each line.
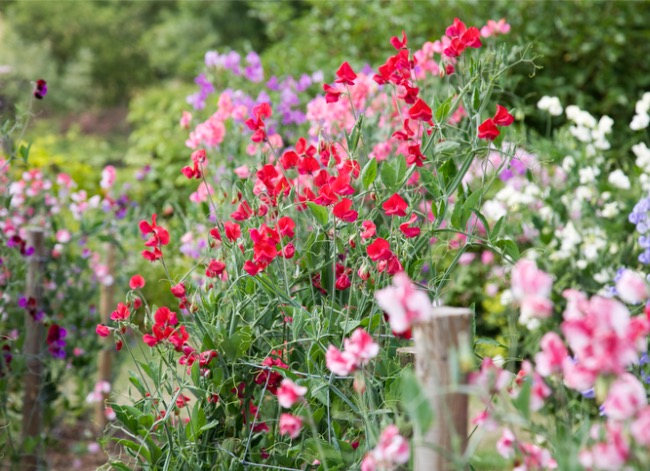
[361, 346]
[404, 303]
[242, 171]
[552, 356]
[626, 397]
[392, 448]
[290, 425]
[186, 119]
[641, 427]
[289, 393]
[108, 177]
[494, 28]
[632, 287]
[339, 363]
[506, 444]
[610, 454]
[530, 282]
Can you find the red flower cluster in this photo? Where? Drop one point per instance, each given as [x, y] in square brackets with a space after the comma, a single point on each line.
[461, 38]
[256, 123]
[271, 378]
[488, 128]
[164, 329]
[379, 251]
[159, 237]
[346, 76]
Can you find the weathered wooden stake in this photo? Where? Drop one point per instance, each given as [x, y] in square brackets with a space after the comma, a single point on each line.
[437, 369]
[105, 361]
[32, 458]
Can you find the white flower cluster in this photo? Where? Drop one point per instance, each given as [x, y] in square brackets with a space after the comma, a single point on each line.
[643, 162]
[641, 119]
[551, 104]
[588, 130]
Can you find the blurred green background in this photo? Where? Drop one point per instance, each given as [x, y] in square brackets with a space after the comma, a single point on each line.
[119, 72]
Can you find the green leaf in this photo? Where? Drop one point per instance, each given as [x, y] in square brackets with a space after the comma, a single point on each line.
[509, 248]
[522, 403]
[355, 135]
[119, 466]
[400, 168]
[139, 450]
[456, 216]
[443, 109]
[388, 175]
[320, 212]
[415, 402]
[430, 182]
[446, 147]
[369, 173]
[235, 346]
[496, 230]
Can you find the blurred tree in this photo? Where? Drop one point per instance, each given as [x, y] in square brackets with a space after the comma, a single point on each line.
[108, 49]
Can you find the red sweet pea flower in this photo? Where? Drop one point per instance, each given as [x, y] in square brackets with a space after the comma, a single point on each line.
[502, 117]
[379, 250]
[342, 282]
[286, 226]
[415, 156]
[410, 231]
[488, 130]
[345, 74]
[260, 112]
[397, 44]
[252, 268]
[408, 93]
[343, 210]
[159, 237]
[233, 231]
[395, 206]
[178, 290]
[289, 159]
[243, 212]
[420, 111]
[136, 282]
[102, 330]
[456, 29]
[332, 94]
[471, 38]
[288, 251]
[122, 313]
[215, 268]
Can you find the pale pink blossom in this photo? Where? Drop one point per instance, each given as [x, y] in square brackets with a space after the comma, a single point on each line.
[490, 379]
[404, 303]
[361, 346]
[339, 363]
[108, 177]
[289, 393]
[63, 236]
[530, 282]
[506, 444]
[641, 427]
[553, 355]
[186, 119]
[535, 458]
[493, 28]
[626, 397]
[632, 287]
[290, 425]
[609, 455]
[242, 171]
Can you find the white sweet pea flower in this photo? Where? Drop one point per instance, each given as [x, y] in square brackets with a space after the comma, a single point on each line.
[618, 179]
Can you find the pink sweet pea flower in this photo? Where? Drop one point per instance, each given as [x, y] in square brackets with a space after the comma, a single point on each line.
[626, 397]
[641, 427]
[290, 425]
[369, 229]
[392, 448]
[506, 444]
[529, 281]
[552, 356]
[361, 346]
[403, 303]
[289, 393]
[339, 363]
[632, 287]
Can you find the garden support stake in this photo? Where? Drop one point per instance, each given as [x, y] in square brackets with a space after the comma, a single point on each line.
[105, 361]
[438, 342]
[33, 401]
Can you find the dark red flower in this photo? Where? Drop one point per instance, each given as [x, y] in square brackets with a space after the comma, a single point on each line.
[332, 94]
[420, 111]
[40, 90]
[397, 44]
[379, 250]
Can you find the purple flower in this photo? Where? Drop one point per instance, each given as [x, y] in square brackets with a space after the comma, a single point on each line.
[304, 83]
[212, 59]
[273, 84]
[231, 62]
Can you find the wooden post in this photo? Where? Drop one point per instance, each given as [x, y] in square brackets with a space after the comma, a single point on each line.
[437, 368]
[32, 458]
[105, 361]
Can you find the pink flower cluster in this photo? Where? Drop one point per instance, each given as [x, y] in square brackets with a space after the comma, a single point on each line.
[358, 350]
[404, 304]
[391, 450]
[532, 288]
